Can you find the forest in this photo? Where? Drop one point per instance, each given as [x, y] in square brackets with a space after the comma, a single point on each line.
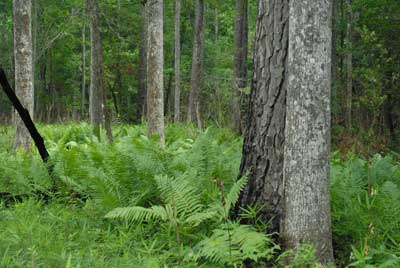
[200, 133]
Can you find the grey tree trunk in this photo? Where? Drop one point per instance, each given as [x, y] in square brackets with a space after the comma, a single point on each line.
[263, 149]
[23, 54]
[155, 75]
[83, 101]
[141, 103]
[177, 60]
[349, 66]
[96, 69]
[240, 62]
[197, 63]
[307, 133]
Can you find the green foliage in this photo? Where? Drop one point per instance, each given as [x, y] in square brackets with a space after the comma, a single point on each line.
[153, 207]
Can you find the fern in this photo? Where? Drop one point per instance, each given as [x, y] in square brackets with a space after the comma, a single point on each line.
[233, 243]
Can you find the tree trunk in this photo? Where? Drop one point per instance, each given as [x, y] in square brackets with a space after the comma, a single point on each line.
[83, 102]
[307, 133]
[264, 138]
[23, 53]
[197, 62]
[177, 105]
[155, 65]
[141, 103]
[96, 69]
[240, 62]
[349, 66]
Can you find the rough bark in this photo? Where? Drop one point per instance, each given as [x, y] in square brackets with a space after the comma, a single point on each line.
[240, 62]
[177, 97]
[197, 62]
[349, 67]
[307, 133]
[141, 103]
[23, 56]
[155, 65]
[96, 69]
[263, 150]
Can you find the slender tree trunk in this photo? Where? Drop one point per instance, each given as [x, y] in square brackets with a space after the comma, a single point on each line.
[240, 62]
[83, 102]
[334, 54]
[23, 53]
[177, 60]
[96, 69]
[263, 149]
[216, 26]
[197, 62]
[349, 66]
[141, 103]
[307, 133]
[155, 65]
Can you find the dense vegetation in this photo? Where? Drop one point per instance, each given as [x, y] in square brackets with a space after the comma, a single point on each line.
[142, 206]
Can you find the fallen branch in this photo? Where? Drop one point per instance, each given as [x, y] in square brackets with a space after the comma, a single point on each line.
[26, 118]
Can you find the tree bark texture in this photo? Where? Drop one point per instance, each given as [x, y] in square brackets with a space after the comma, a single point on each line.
[23, 56]
[155, 75]
[240, 62]
[263, 150]
[96, 69]
[307, 133]
[197, 62]
[177, 98]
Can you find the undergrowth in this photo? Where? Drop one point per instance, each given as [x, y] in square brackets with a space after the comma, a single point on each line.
[149, 207]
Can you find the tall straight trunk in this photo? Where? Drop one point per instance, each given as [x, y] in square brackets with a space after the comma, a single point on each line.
[263, 149]
[216, 26]
[177, 105]
[141, 100]
[334, 52]
[155, 65]
[96, 69]
[23, 54]
[83, 101]
[307, 133]
[197, 63]
[240, 62]
[349, 66]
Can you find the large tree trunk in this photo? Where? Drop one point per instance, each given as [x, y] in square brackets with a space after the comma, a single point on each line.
[264, 139]
[307, 133]
[96, 69]
[197, 62]
[23, 53]
[177, 105]
[141, 102]
[349, 66]
[155, 75]
[240, 62]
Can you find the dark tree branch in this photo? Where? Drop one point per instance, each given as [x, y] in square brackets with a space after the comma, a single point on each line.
[26, 118]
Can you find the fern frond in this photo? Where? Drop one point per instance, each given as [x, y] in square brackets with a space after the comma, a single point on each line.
[139, 214]
[234, 192]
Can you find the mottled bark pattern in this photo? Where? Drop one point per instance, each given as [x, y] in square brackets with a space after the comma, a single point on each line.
[307, 134]
[23, 56]
[177, 60]
[264, 139]
[155, 64]
[240, 62]
[96, 69]
[197, 62]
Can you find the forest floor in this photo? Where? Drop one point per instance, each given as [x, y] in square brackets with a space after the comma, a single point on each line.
[132, 204]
